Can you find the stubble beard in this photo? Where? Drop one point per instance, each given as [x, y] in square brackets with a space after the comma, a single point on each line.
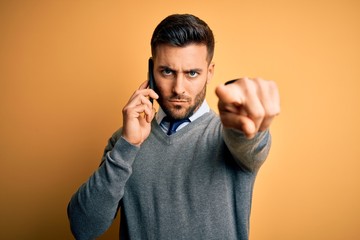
[180, 112]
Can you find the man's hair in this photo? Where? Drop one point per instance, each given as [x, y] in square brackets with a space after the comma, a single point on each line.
[180, 30]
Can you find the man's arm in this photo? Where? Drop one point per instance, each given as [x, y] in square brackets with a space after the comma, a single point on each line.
[248, 153]
[247, 108]
[93, 207]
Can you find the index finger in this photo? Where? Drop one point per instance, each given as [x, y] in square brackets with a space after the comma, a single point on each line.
[144, 85]
[149, 91]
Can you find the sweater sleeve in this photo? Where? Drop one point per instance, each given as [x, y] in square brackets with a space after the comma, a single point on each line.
[248, 153]
[93, 207]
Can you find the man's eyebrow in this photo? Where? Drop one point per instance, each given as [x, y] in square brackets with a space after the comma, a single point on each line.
[166, 67]
[194, 70]
[186, 71]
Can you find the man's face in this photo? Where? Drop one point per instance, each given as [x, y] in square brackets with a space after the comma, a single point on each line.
[181, 75]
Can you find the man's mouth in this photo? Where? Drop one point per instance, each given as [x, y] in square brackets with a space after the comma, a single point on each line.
[178, 100]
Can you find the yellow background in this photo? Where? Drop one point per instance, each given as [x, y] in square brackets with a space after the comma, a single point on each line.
[68, 67]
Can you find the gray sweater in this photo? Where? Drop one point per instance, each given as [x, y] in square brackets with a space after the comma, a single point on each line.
[194, 184]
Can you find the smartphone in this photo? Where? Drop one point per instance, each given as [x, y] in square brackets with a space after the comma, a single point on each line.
[151, 77]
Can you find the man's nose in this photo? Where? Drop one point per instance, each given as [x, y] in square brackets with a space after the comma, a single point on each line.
[179, 84]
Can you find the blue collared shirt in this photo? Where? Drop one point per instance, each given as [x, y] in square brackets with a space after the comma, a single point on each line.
[204, 108]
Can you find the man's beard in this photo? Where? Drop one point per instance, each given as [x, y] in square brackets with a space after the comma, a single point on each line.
[176, 112]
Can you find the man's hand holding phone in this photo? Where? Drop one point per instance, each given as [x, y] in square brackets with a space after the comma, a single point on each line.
[138, 114]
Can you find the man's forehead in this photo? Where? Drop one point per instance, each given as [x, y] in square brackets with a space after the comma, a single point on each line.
[189, 54]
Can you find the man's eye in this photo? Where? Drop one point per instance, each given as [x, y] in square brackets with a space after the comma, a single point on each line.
[166, 72]
[193, 74]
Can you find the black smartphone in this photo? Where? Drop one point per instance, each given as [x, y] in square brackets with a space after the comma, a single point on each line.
[151, 77]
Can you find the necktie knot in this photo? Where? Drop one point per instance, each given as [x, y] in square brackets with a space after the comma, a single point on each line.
[174, 124]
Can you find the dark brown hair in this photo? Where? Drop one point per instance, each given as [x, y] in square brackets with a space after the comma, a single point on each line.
[181, 30]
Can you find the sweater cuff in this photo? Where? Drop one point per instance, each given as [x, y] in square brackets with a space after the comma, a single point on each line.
[234, 134]
[124, 151]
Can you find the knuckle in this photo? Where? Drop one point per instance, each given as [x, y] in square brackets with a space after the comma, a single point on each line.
[248, 86]
[268, 114]
[272, 84]
[273, 88]
[258, 80]
[265, 84]
[125, 110]
[259, 114]
[138, 92]
[272, 112]
[243, 80]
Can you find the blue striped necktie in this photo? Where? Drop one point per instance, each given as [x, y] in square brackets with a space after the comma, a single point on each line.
[174, 124]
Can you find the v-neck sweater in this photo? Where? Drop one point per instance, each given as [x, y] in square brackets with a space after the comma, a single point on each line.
[194, 184]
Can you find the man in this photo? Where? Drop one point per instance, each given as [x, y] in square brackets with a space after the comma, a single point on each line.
[195, 183]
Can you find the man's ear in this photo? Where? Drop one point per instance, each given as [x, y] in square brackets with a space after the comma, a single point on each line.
[210, 74]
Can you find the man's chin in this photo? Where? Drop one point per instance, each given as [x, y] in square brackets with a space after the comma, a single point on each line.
[178, 115]
[178, 112]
